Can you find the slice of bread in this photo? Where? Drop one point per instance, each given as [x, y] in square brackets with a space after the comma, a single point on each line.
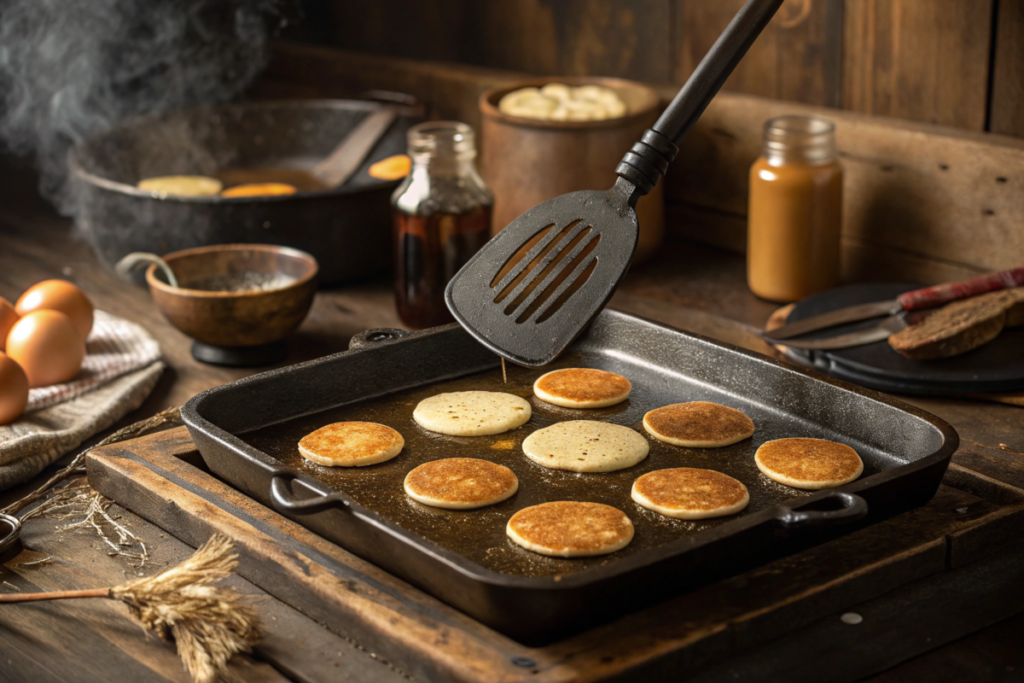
[955, 328]
[1015, 307]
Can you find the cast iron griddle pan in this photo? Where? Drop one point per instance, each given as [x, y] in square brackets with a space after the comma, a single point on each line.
[247, 433]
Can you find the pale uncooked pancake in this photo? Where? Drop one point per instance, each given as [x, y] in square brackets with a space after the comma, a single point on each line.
[570, 529]
[582, 388]
[472, 413]
[690, 493]
[182, 185]
[586, 446]
[351, 444]
[698, 424]
[460, 483]
[809, 463]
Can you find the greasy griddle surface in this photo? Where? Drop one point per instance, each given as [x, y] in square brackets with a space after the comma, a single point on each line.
[479, 535]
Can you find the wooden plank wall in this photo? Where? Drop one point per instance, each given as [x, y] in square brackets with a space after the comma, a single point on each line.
[952, 62]
[922, 202]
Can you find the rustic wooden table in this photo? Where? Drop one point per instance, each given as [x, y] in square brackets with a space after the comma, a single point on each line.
[691, 287]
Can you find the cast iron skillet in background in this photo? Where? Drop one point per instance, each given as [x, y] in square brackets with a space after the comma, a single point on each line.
[348, 230]
[996, 366]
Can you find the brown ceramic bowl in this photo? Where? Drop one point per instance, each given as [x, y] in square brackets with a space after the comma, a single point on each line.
[235, 318]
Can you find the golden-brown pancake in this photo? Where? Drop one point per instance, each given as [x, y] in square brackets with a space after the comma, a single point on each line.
[472, 413]
[690, 493]
[259, 190]
[582, 388]
[182, 185]
[461, 483]
[586, 446]
[698, 424]
[570, 529]
[809, 463]
[351, 444]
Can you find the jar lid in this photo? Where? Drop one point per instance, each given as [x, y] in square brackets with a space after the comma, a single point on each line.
[442, 139]
[811, 138]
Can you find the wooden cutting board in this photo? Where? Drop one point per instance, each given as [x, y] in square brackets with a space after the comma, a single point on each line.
[753, 625]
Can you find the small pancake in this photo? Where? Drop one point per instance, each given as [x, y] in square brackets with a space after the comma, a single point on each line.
[472, 413]
[351, 444]
[461, 483]
[698, 424]
[182, 185]
[582, 388]
[259, 190]
[809, 463]
[570, 529]
[690, 493]
[586, 446]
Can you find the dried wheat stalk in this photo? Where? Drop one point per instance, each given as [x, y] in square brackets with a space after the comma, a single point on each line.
[209, 624]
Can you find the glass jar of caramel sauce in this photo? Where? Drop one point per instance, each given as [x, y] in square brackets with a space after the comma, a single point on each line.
[795, 211]
[442, 216]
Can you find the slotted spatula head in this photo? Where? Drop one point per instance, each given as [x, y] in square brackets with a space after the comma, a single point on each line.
[536, 285]
[527, 294]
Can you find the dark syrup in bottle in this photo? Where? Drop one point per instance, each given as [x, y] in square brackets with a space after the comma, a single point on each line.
[429, 250]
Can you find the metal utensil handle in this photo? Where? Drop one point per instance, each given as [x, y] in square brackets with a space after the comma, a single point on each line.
[853, 508]
[8, 540]
[284, 501]
[648, 159]
[930, 297]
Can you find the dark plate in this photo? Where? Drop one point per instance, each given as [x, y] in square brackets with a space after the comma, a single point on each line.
[996, 366]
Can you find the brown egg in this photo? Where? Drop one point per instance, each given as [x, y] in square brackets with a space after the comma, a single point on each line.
[8, 316]
[47, 347]
[13, 390]
[58, 295]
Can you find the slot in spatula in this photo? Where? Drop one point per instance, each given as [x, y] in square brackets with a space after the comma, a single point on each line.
[538, 283]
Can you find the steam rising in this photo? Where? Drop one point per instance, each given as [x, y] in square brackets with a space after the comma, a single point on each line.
[72, 68]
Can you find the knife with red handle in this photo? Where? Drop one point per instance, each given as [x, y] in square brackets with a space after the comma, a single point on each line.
[927, 297]
[930, 297]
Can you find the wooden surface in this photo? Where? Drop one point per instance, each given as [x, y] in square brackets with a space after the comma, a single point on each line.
[935, 61]
[156, 476]
[798, 56]
[1006, 113]
[922, 203]
[688, 286]
[924, 61]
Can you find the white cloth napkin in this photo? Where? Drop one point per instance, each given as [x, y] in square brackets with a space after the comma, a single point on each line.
[121, 367]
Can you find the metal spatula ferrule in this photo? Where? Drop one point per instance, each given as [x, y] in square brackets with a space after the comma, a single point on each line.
[530, 291]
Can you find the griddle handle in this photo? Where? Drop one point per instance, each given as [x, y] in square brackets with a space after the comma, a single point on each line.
[283, 500]
[377, 335]
[853, 508]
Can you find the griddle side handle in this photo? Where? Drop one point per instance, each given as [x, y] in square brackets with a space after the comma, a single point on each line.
[377, 335]
[852, 508]
[283, 500]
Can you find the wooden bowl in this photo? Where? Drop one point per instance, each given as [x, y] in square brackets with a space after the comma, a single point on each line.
[528, 161]
[239, 318]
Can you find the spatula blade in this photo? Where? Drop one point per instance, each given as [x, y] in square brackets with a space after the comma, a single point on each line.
[538, 283]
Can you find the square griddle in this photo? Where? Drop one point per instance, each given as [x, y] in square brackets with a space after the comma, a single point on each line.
[247, 433]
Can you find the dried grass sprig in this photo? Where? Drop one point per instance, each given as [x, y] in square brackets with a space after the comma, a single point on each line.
[209, 624]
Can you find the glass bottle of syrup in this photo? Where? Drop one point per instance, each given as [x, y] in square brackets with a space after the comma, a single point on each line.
[442, 216]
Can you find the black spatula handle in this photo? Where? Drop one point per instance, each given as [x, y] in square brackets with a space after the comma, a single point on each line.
[648, 159]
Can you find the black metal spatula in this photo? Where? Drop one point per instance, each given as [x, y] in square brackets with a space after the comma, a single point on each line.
[534, 287]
